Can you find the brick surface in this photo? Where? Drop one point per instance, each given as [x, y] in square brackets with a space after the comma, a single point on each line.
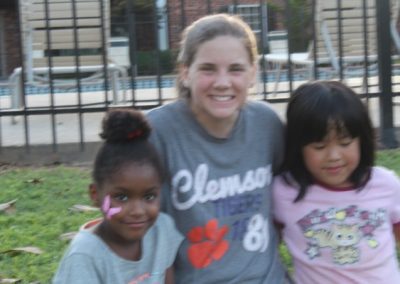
[11, 52]
[183, 12]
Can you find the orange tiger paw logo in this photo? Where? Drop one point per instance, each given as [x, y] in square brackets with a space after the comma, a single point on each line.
[207, 244]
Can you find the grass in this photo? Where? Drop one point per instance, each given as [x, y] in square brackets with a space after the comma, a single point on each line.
[42, 214]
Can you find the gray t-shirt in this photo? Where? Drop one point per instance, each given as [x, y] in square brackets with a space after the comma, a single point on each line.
[220, 196]
[89, 260]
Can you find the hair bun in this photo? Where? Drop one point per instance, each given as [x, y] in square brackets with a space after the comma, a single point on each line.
[124, 125]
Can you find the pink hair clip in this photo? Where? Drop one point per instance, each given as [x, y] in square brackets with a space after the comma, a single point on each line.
[134, 134]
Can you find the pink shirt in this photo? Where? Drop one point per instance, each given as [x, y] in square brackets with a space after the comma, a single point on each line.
[342, 236]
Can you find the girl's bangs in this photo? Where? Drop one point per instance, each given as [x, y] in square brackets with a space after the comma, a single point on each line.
[315, 127]
[342, 121]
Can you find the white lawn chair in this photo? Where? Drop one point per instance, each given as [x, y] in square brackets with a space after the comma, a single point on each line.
[345, 41]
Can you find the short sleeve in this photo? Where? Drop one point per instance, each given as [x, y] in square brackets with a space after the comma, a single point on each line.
[156, 139]
[277, 188]
[276, 128]
[174, 240]
[395, 213]
[77, 269]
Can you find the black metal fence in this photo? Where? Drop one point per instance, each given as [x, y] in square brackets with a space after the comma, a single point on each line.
[82, 57]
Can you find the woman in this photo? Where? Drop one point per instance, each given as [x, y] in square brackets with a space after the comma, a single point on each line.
[221, 152]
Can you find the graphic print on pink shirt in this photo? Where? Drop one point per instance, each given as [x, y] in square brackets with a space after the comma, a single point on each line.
[341, 230]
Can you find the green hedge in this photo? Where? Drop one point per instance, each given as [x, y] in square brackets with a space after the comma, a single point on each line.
[147, 62]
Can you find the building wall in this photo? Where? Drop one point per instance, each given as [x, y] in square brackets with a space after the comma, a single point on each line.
[144, 31]
[194, 9]
[12, 54]
[277, 14]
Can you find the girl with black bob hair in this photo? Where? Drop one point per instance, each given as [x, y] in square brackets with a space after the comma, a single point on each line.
[339, 214]
[313, 110]
[132, 242]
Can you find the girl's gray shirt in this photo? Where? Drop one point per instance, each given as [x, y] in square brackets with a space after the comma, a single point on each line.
[219, 193]
[88, 260]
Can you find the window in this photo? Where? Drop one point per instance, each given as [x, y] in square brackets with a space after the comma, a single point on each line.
[2, 50]
[254, 15]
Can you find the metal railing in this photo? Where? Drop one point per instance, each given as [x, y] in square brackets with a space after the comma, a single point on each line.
[26, 109]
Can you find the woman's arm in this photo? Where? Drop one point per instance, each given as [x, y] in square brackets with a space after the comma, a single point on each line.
[169, 276]
[279, 228]
[396, 231]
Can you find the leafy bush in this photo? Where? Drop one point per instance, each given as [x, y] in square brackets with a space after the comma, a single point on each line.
[147, 62]
[297, 20]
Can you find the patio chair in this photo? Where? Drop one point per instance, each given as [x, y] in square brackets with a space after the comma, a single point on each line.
[61, 45]
[393, 24]
[345, 41]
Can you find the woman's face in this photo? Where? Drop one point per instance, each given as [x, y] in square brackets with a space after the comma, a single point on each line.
[219, 79]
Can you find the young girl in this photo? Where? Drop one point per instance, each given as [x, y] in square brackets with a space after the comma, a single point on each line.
[133, 243]
[221, 151]
[340, 214]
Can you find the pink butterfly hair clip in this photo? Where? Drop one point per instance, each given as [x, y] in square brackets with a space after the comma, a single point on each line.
[107, 209]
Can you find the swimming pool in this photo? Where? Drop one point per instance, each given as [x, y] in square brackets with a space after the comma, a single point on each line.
[140, 84]
[151, 83]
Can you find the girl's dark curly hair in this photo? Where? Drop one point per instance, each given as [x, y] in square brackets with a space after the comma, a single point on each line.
[125, 133]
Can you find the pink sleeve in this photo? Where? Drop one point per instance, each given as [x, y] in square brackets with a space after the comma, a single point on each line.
[277, 187]
[395, 214]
